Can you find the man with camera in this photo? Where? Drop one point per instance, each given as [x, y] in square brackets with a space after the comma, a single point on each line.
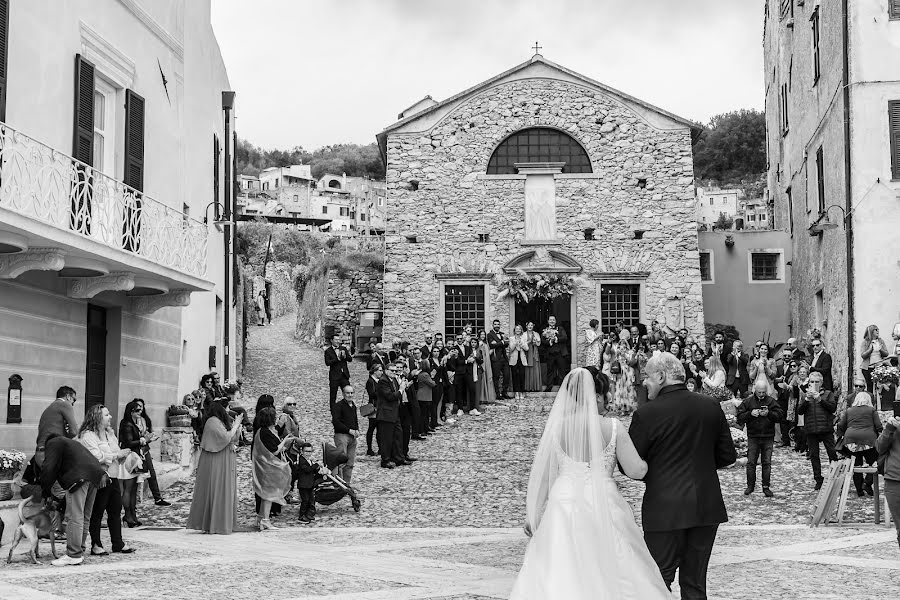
[818, 406]
[759, 412]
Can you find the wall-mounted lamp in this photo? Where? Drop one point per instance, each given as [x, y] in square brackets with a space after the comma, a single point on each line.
[823, 223]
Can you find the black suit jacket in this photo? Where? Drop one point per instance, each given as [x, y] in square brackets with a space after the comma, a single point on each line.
[68, 462]
[561, 347]
[376, 359]
[497, 346]
[823, 366]
[684, 438]
[737, 373]
[343, 417]
[388, 397]
[337, 367]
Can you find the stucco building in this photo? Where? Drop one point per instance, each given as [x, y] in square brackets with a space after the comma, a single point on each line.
[833, 135]
[110, 281]
[713, 202]
[539, 171]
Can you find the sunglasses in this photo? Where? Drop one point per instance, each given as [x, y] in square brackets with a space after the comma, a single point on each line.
[136, 410]
[290, 404]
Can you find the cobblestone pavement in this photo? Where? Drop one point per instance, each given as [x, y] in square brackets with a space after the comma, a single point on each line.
[450, 525]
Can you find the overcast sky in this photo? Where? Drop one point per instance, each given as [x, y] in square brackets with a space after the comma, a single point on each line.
[312, 73]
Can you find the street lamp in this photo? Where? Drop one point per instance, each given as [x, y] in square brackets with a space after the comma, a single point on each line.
[824, 224]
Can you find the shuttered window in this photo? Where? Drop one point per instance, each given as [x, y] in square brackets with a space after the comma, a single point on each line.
[134, 171]
[4, 51]
[216, 185]
[894, 9]
[894, 126]
[817, 67]
[820, 179]
[80, 217]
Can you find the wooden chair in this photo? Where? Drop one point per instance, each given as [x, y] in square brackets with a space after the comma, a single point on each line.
[876, 488]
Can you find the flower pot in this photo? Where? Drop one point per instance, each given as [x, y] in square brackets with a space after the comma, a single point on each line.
[5, 491]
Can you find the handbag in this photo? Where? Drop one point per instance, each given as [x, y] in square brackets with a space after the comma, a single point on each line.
[615, 368]
[367, 410]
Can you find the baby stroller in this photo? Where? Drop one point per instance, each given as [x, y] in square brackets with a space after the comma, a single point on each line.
[331, 488]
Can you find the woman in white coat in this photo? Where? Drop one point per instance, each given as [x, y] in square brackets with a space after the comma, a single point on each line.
[518, 361]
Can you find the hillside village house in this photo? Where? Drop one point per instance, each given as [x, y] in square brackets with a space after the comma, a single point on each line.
[833, 137]
[110, 281]
[539, 170]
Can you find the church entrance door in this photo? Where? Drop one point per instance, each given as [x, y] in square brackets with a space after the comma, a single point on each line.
[539, 311]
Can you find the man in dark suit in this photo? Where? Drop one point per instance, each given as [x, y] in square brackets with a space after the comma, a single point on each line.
[737, 377]
[557, 353]
[720, 345]
[684, 438]
[378, 357]
[336, 358]
[457, 366]
[427, 346]
[821, 363]
[498, 343]
[389, 392]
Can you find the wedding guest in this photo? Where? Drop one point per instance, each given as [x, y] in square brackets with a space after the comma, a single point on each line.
[337, 357]
[425, 393]
[783, 376]
[637, 363]
[714, 375]
[375, 373]
[389, 392]
[888, 446]
[346, 430]
[264, 401]
[737, 374]
[428, 345]
[518, 361]
[145, 425]
[96, 434]
[697, 366]
[261, 308]
[378, 357]
[691, 384]
[437, 392]
[458, 364]
[130, 437]
[214, 505]
[271, 473]
[58, 418]
[625, 397]
[594, 338]
[821, 363]
[288, 423]
[873, 349]
[533, 370]
[497, 367]
[860, 427]
[762, 369]
[557, 342]
[412, 420]
[759, 412]
[817, 405]
[799, 384]
[493, 371]
[450, 362]
[306, 482]
[474, 371]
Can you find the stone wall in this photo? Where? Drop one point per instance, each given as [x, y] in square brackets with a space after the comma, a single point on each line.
[642, 180]
[282, 299]
[335, 301]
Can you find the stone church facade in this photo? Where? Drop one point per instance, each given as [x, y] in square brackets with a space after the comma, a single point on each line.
[539, 170]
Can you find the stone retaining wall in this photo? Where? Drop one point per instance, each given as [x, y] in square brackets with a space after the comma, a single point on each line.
[335, 301]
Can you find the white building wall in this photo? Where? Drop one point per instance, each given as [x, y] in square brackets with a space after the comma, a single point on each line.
[712, 203]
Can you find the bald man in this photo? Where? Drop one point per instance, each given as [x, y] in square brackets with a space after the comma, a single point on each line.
[760, 413]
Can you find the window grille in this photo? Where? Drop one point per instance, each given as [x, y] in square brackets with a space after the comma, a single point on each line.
[463, 304]
[764, 266]
[619, 302]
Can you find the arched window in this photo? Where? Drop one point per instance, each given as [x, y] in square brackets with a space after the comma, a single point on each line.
[334, 183]
[539, 144]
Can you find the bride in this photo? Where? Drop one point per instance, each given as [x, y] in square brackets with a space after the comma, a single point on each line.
[585, 543]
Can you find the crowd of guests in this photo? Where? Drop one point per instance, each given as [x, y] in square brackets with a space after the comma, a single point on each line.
[90, 472]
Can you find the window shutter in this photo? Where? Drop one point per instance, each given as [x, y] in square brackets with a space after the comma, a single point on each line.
[134, 140]
[894, 9]
[4, 51]
[894, 126]
[83, 143]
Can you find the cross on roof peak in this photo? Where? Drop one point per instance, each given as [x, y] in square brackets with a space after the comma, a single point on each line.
[537, 49]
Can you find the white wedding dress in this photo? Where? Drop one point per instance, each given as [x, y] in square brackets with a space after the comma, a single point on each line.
[585, 544]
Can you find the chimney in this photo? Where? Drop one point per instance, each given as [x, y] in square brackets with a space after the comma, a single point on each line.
[344, 181]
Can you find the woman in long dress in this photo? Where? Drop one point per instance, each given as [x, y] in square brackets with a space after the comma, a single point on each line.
[594, 338]
[533, 370]
[584, 541]
[271, 472]
[214, 506]
[626, 397]
[486, 391]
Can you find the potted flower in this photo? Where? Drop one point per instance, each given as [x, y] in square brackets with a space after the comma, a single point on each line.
[886, 378]
[11, 462]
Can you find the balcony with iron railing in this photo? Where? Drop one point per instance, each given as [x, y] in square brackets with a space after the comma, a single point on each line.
[50, 188]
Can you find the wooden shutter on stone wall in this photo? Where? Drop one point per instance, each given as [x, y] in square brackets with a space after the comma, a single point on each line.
[80, 216]
[4, 52]
[894, 127]
[134, 170]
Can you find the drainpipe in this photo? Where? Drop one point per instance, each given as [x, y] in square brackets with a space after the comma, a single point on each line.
[848, 203]
[227, 106]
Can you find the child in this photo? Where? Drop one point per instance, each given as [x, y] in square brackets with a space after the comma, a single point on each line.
[305, 482]
[691, 384]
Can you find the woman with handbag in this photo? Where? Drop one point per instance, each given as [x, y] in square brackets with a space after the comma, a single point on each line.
[271, 472]
[145, 425]
[375, 373]
[857, 431]
[130, 438]
[98, 437]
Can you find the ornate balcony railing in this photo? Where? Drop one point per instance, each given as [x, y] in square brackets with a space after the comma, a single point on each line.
[42, 183]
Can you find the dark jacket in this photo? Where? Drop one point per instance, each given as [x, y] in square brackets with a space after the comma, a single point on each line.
[889, 443]
[343, 417]
[497, 345]
[684, 438]
[561, 347]
[372, 394]
[823, 366]
[762, 426]
[458, 365]
[337, 366]
[860, 425]
[473, 367]
[819, 415]
[69, 463]
[306, 473]
[736, 373]
[426, 387]
[388, 396]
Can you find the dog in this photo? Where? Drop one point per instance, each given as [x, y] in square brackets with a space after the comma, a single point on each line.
[37, 526]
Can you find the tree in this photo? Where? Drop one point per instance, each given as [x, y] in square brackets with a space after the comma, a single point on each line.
[723, 222]
[353, 159]
[732, 148]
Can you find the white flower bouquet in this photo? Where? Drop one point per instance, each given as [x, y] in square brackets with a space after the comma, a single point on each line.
[11, 462]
